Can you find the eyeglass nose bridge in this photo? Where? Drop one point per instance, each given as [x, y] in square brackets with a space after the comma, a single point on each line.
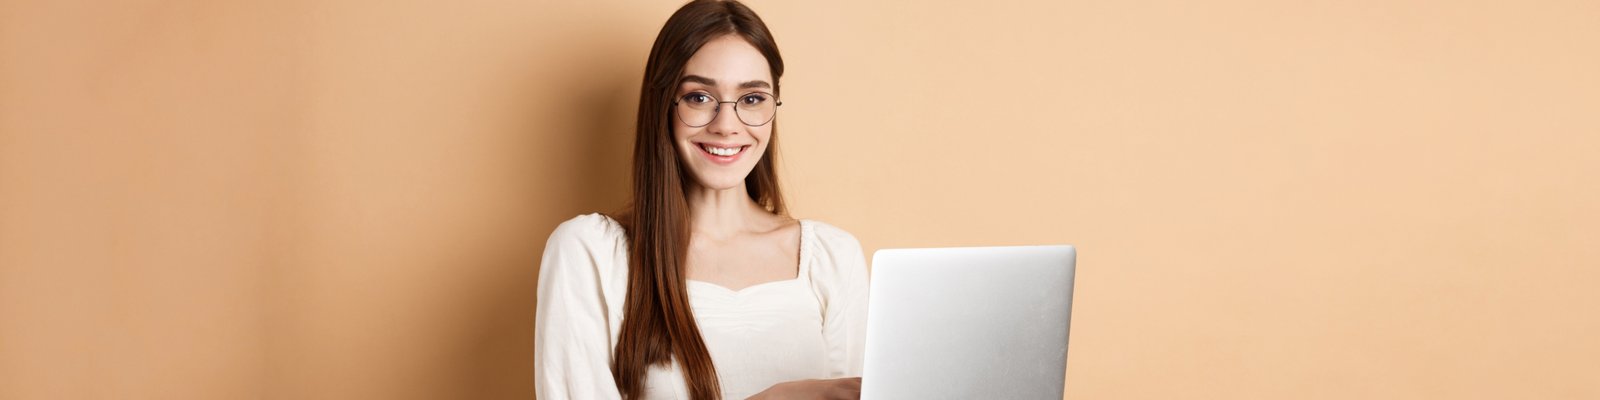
[717, 112]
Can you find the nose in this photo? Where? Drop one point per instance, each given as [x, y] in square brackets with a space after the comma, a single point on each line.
[726, 121]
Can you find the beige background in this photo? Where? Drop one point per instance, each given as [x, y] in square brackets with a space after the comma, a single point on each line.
[346, 199]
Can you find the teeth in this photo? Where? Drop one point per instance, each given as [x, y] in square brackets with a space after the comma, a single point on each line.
[722, 151]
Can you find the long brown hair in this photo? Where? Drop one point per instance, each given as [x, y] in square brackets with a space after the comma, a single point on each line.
[658, 325]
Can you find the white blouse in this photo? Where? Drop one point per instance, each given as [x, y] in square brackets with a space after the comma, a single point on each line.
[809, 327]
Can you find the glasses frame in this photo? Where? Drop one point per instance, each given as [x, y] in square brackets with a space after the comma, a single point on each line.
[717, 110]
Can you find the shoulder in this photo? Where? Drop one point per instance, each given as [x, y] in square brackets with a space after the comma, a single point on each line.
[832, 237]
[587, 250]
[838, 269]
[594, 240]
[833, 249]
[587, 231]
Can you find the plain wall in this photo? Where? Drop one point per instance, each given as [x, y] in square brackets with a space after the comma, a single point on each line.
[347, 200]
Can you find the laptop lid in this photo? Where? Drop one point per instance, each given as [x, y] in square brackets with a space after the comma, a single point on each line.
[968, 323]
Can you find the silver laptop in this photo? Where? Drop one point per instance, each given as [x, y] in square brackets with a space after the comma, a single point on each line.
[968, 323]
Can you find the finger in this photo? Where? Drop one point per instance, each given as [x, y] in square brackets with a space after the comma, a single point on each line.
[850, 388]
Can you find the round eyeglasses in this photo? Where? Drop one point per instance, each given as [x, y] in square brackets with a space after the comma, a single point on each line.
[698, 109]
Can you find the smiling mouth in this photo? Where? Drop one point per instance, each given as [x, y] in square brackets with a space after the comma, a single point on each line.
[722, 151]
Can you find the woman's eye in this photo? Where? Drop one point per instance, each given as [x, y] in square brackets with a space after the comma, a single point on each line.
[697, 98]
[754, 99]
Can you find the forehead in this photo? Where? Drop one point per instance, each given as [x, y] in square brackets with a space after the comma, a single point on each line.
[729, 60]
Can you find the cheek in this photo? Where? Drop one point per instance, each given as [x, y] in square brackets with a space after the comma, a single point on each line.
[680, 139]
[679, 133]
[766, 142]
[763, 135]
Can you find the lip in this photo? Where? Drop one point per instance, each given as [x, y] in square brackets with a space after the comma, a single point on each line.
[721, 160]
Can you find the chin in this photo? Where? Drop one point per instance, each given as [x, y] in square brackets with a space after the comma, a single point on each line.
[722, 182]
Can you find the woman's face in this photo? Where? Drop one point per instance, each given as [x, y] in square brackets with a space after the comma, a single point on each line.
[722, 152]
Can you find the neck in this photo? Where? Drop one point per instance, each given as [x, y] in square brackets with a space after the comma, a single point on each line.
[721, 213]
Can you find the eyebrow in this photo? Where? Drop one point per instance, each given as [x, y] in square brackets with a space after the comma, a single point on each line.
[712, 82]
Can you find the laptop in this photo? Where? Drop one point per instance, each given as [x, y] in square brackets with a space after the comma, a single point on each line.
[968, 323]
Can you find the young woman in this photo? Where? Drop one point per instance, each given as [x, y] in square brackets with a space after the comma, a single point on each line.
[703, 288]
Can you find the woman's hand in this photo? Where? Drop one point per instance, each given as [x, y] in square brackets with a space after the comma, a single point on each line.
[831, 389]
